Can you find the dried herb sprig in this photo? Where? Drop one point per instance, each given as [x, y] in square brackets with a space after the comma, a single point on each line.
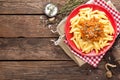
[67, 8]
[70, 5]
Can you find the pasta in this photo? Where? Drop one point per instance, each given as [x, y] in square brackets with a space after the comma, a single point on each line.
[91, 30]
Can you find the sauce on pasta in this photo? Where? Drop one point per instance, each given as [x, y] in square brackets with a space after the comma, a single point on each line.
[92, 29]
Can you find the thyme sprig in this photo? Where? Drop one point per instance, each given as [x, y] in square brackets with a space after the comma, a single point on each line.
[70, 5]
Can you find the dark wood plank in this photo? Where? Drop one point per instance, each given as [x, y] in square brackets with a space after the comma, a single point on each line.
[32, 6]
[30, 49]
[25, 26]
[26, 6]
[52, 70]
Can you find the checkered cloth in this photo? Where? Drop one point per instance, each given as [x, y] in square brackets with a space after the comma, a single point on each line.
[96, 59]
[114, 12]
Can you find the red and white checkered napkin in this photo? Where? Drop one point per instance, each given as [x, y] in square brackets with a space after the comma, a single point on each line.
[114, 12]
[96, 59]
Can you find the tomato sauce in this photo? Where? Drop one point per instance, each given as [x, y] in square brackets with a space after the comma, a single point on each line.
[92, 29]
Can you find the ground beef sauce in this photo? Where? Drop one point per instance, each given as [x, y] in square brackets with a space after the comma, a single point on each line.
[92, 29]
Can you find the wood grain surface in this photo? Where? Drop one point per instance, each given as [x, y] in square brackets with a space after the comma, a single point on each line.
[30, 49]
[26, 50]
[26, 6]
[51, 70]
[25, 26]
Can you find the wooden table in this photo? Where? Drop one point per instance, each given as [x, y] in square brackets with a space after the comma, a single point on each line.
[26, 50]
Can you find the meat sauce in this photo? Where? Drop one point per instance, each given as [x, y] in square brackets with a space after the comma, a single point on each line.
[92, 29]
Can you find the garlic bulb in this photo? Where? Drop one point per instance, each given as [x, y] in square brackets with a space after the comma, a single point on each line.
[51, 10]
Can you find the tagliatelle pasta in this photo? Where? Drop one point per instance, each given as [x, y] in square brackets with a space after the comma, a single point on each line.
[91, 30]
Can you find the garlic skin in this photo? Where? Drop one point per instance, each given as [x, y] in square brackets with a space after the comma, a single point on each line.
[51, 10]
[109, 74]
